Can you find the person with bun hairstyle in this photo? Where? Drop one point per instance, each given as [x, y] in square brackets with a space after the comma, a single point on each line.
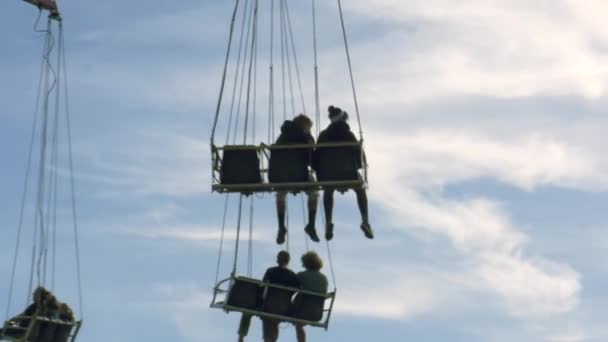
[339, 131]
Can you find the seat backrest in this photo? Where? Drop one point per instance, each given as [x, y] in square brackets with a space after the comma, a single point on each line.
[288, 165]
[244, 295]
[47, 331]
[62, 332]
[278, 302]
[240, 166]
[309, 307]
[338, 163]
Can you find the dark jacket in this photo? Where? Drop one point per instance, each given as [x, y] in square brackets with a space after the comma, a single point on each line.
[278, 301]
[291, 165]
[336, 132]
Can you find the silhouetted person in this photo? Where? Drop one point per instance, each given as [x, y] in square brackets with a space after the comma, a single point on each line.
[310, 280]
[279, 275]
[339, 131]
[40, 299]
[292, 166]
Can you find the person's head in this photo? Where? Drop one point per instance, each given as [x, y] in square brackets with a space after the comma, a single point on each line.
[337, 114]
[283, 258]
[304, 122]
[51, 303]
[312, 261]
[40, 294]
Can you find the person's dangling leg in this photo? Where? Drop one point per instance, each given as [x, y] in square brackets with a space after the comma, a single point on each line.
[328, 206]
[313, 199]
[281, 210]
[300, 332]
[244, 326]
[363, 209]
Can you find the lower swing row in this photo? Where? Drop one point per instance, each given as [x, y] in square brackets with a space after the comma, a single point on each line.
[45, 320]
[281, 296]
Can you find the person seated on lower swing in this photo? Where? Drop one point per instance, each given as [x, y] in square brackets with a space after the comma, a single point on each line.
[311, 279]
[294, 132]
[339, 131]
[279, 275]
[37, 308]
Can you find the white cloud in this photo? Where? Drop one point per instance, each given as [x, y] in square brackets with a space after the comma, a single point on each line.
[176, 166]
[435, 158]
[485, 48]
[408, 181]
[394, 297]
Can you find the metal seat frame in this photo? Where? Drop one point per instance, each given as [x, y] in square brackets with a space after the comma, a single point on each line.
[218, 291]
[295, 187]
[27, 332]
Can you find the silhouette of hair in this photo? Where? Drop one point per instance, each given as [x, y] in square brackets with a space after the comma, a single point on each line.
[312, 261]
[40, 294]
[302, 120]
[283, 258]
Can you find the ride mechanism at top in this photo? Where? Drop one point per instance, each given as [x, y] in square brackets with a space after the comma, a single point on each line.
[244, 167]
[45, 318]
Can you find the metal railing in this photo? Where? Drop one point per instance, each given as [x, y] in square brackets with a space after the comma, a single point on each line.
[264, 153]
[222, 303]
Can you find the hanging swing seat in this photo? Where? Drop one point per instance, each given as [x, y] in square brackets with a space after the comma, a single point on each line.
[39, 329]
[271, 301]
[239, 168]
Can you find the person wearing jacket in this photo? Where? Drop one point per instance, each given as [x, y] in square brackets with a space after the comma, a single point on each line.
[311, 279]
[279, 275]
[292, 165]
[339, 131]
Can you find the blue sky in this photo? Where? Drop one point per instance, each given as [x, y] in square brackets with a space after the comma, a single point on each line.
[484, 124]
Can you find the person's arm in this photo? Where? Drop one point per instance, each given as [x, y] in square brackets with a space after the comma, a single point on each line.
[266, 275]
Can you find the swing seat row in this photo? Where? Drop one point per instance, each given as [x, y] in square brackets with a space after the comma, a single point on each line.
[39, 329]
[271, 301]
[241, 168]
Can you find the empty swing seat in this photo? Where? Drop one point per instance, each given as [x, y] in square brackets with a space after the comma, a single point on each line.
[244, 294]
[289, 165]
[240, 165]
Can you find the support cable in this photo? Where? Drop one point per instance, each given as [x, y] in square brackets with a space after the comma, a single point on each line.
[224, 73]
[295, 59]
[222, 234]
[271, 78]
[350, 69]
[71, 164]
[238, 235]
[249, 78]
[26, 182]
[288, 59]
[245, 71]
[317, 102]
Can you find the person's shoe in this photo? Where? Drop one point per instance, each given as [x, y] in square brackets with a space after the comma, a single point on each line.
[329, 231]
[312, 232]
[367, 230]
[281, 235]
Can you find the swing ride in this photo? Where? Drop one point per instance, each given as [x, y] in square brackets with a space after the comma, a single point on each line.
[244, 167]
[247, 167]
[46, 319]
